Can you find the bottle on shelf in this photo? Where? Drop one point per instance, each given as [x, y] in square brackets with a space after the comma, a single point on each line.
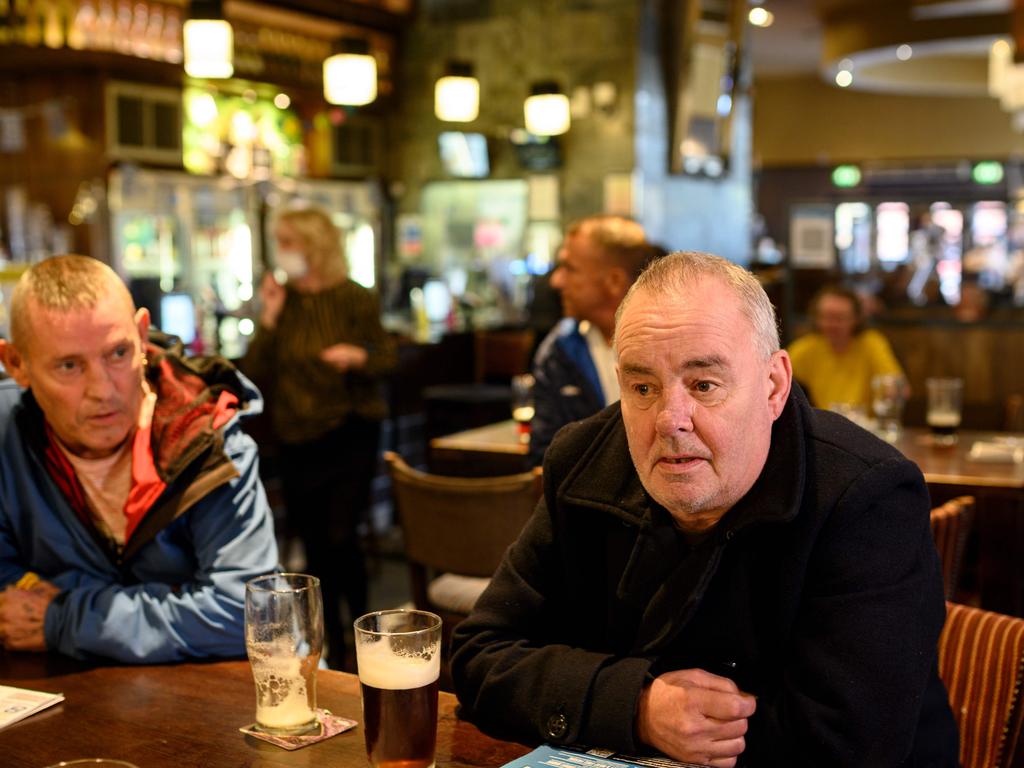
[82, 34]
[53, 26]
[172, 35]
[5, 22]
[32, 34]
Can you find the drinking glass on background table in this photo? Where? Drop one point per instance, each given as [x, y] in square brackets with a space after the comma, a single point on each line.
[945, 406]
[399, 658]
[887, 397]
[853, 411]
[284, 635]
[522, 405]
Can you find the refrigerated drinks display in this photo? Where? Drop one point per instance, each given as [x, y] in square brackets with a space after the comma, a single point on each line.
[473, 240]
[205, 236]
[177, 233]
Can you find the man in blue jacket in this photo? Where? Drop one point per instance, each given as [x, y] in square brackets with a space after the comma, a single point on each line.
[131, 511]
[574, 369]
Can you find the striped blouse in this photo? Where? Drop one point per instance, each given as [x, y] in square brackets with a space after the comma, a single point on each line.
[309, 397]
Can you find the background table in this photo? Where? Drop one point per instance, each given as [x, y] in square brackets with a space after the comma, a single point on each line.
[188, 716]
[951, 465]
[498, 445]
[494, 449]
[993, 568]
[995, 552]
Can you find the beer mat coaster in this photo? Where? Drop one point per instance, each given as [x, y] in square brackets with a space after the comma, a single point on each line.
[330, 725]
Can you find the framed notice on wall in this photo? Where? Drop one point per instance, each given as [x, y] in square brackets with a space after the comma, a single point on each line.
[618, 194]
[812, 237]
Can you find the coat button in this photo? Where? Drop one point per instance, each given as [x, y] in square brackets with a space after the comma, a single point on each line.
[557, 726]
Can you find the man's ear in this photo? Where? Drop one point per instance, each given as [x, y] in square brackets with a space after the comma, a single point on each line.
[14, 362]
[780, 377]
[617, 281]
[142, 324]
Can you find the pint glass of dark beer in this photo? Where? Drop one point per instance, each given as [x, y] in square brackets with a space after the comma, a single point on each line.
[945, 405]
[399, 658]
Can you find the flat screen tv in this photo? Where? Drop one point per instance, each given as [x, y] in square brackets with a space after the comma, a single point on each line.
[464, 154]
[178, 316]
[536, 153]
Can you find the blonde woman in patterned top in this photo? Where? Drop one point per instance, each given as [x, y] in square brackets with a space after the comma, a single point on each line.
[321, 350]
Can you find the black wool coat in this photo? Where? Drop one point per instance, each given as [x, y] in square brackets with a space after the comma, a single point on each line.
[820, 592]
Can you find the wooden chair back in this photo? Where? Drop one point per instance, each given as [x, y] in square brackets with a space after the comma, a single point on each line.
[951, 523]
[501, 354]
[981, 661]
[1013, 420]
[459, 525]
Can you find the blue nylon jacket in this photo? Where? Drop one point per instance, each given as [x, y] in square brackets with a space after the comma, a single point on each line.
[181, 593]
[566, 385]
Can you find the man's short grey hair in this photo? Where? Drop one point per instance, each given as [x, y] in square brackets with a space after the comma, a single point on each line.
[679, 271]
[62, 284]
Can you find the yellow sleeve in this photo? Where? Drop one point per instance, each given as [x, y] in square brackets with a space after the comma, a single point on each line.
[880, 354]
[798, 351]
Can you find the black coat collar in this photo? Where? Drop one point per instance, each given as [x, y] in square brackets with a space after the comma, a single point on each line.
[663, 582]
[604, 477]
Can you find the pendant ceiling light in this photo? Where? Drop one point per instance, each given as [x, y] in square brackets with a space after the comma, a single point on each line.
[350, 75]
[546, 110]
[457, 94]
[208, 41]
[1005, 76]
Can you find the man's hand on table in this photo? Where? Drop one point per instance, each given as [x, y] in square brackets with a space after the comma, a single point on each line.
[22, 613]
[695, 716]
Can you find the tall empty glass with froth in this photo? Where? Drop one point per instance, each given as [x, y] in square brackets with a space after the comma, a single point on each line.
[284, 631]
[887, 393]
[399, 657]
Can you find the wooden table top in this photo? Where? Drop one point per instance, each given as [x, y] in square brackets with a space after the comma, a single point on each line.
[495, 438]
[188, 716]
[940, 464]
[951, 465]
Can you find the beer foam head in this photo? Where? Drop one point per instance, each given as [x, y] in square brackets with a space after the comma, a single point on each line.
[380, 667]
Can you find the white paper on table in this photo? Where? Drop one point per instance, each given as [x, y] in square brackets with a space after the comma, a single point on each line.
[993, 452]
[18, 703]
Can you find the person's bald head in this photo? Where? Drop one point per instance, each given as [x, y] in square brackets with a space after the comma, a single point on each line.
[62, 284]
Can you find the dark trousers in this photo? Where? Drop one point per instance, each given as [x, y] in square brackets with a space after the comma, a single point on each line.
[326, 484]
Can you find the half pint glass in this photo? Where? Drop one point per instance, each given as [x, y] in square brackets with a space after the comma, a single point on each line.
[399, 658]
[284, 631]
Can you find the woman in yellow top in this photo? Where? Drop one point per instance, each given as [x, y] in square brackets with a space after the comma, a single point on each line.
[836, 363]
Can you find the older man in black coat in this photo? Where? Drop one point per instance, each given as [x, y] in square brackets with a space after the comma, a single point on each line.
[717, 571]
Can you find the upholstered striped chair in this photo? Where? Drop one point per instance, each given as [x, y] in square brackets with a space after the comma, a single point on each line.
[981, 661]
[950, 525]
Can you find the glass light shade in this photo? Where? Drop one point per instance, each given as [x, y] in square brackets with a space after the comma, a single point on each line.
[350, 78]
[209, 48]
[1005, 78]
[547, 114]
[457, 99]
